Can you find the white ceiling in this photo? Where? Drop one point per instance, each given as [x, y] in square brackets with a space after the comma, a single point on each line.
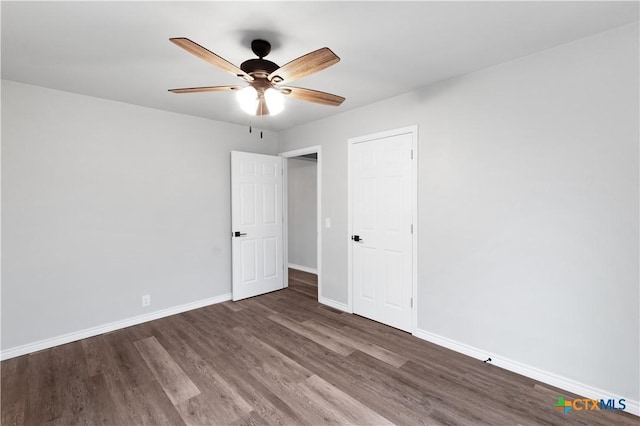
[120, 50]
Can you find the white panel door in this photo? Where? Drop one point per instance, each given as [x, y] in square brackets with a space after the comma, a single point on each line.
[256, 220]
[381, 223]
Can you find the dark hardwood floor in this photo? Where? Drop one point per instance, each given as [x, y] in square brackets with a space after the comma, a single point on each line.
[279, 358]
[304, 282]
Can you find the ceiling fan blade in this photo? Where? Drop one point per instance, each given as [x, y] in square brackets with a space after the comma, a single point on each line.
[261, 108]
[207, 55]
[205, 89]
[304, 65]
[312, 96]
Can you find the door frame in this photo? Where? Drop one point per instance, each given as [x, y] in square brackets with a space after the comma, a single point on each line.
[413, 131]
[316, 149]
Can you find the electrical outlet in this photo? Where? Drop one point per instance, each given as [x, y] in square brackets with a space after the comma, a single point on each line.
[146, 300]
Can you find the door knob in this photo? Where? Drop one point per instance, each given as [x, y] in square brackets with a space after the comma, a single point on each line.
[356, 238]
[238, 234]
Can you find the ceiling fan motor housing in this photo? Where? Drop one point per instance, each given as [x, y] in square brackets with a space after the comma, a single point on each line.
[260, 48]
[253, 66]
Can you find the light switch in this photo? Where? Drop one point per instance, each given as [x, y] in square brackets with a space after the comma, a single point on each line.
[327, 222]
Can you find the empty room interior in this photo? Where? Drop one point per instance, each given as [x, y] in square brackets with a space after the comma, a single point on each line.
[309, 213]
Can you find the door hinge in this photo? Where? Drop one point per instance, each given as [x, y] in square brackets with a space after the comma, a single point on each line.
[412, 302]
[412, 154]
[412, 228]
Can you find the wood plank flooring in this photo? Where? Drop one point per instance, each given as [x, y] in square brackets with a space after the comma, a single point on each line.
[303, 282]
[280, 359]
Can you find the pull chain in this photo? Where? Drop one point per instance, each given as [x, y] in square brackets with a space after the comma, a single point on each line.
[261, 120]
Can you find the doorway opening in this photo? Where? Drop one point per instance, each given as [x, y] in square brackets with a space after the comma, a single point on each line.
[302, 213]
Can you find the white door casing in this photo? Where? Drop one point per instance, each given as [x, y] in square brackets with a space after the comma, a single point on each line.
[382, 205]
[256, 214]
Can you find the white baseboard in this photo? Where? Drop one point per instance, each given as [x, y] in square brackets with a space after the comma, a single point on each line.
[303, 268]
[106, 328]
[336, 305]
[552, 379]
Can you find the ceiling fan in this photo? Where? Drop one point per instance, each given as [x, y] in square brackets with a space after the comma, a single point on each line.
[264, 93]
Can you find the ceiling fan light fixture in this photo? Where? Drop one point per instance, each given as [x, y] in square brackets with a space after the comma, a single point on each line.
[248, 99]
[275, 101]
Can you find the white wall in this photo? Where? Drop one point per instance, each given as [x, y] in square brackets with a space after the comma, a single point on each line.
[528, 207]
[103, 202]
[302, 212]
